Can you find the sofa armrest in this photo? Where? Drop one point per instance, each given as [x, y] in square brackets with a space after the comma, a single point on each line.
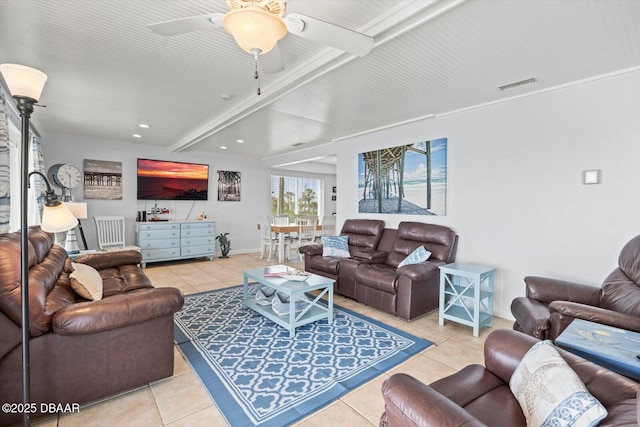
[371, 255]
[420, 271]
[408, 402]
[503, 351]
[532, 316]
[564, 312]
[117, 311]
[103, 260]
[547, 290]
[311, 250]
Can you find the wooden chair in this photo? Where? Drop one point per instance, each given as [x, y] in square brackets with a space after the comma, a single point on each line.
[110, 232]
[269, 240]
[328, 227]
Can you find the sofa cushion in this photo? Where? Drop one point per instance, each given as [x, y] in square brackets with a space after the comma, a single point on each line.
[86, 281]
[620, 294]
[363, 233]
[550, 392]
[378, 276]
[415, 257]
[335, 246]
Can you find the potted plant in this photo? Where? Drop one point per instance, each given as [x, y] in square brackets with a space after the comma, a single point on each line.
[225, 244]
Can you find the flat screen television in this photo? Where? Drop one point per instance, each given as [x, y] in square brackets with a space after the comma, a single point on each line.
[164, 180]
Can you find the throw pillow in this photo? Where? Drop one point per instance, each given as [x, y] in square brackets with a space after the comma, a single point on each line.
[86, 281]
[419, 255]
[550, 393]
[336, 246]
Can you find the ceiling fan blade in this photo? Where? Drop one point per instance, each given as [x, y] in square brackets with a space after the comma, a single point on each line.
[186, 25]
[329, 34]
[271, 61]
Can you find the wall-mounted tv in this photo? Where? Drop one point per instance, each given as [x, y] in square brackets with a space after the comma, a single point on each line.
[164, 180]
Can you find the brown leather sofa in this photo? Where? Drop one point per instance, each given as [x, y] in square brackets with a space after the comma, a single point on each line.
[411, 290]
[550, 304]
[364, 236]
[81, 350]
[371, 275]
[480, 396]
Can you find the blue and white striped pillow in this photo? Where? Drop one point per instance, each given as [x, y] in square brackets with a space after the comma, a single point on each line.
[336, 246]
[415, 257]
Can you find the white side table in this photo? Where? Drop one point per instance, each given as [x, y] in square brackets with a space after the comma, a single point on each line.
[466, 295]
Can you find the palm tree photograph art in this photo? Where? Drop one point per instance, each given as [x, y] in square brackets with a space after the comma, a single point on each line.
[228, 186]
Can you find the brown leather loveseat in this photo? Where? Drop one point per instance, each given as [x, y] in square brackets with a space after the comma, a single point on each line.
[480, 395]
[550, 305]
[81, 350]
[371, 275]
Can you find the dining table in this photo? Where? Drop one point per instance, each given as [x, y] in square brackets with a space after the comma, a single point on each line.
[281, 230]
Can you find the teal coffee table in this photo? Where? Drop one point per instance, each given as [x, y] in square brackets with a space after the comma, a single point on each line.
[315, 310]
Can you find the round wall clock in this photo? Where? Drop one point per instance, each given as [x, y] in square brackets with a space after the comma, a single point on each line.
[65, 175]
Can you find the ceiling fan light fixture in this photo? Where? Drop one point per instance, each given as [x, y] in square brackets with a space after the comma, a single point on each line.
[254, 28]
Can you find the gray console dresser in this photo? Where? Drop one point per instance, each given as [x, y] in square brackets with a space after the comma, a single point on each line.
[171, 240]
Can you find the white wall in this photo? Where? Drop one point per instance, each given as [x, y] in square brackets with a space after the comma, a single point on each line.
[514, 194]
[237, 218]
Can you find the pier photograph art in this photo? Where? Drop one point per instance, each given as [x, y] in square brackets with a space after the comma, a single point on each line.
[102, 180]
[406, 179]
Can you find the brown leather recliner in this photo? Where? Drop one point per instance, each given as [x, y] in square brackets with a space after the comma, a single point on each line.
[550, 305]
[364, 235]
[411, 290]
[480, 396]
[81, 350]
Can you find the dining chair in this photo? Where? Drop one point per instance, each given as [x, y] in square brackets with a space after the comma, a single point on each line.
[328, 227]
[269, 240]
[110, 232]
[306, 232]
[281, 219]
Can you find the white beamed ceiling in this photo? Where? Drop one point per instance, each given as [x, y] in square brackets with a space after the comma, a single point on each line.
[108, 73]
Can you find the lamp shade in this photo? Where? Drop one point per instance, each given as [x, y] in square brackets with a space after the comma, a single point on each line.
[56, 219]
[78, 209]
[23, 81]
[254, 28]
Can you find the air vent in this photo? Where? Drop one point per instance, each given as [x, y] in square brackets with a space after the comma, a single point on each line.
[521, 83]
[297, 144]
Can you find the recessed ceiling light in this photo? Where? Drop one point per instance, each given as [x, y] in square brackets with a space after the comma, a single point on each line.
[222, 147]
[143, 126]
[136, 135]
[240, 141]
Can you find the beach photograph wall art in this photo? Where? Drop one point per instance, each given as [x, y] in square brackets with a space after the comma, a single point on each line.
[102, 180]
[228, 186]
[405, 179]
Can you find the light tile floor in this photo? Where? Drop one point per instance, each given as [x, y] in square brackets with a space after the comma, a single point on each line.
[182, 401]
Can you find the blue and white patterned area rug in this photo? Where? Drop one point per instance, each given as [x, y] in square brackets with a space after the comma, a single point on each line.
[258, 376]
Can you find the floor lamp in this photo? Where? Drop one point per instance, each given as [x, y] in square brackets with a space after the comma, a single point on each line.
[25, 85]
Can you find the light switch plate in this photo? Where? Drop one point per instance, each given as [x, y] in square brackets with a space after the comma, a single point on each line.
[591, 177]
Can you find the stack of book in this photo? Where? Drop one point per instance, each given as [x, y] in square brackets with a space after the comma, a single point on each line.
[276, 270]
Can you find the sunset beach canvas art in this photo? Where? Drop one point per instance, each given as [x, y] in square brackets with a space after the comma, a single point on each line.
[165, 180]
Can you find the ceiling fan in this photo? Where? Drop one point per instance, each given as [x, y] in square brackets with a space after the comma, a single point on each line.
[257, 25]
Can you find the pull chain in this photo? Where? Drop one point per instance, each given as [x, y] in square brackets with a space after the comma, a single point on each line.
[256, 75]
